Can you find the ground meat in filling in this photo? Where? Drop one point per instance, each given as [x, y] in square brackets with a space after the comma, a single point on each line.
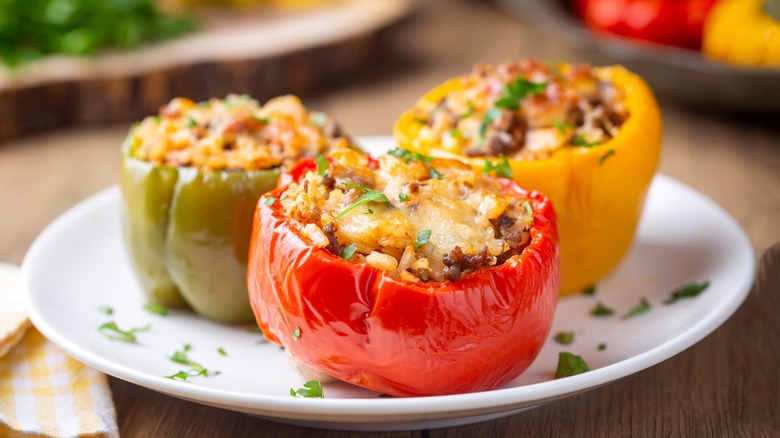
[422, 219]
[524, 110]
[236, 133]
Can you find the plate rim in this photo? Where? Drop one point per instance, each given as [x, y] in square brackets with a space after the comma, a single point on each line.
[391, 409]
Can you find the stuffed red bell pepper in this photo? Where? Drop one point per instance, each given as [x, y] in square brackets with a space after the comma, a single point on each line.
[406, 275]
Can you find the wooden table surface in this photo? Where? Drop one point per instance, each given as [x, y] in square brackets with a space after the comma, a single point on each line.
[726, 385]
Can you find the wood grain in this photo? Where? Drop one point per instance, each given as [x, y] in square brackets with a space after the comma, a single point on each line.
[726, 385]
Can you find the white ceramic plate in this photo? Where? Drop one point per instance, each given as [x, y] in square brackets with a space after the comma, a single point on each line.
[79, 264]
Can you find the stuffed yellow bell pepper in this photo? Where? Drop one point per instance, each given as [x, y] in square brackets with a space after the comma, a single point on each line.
[745, 32]
[589, 138]
[190, 180]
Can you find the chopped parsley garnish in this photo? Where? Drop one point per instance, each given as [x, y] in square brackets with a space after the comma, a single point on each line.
[106, 309]
[111, 331]
[579, 140]
[402, 197]
[296, 333]
[221, 351]
[602, 346]
[590, 290]
[565, 338]
[420, 120]
[601, 310]
[516, 91]
[261, 119]
[642, 307]
[606, 155]
[407, 156]
[570, 365]
[422, 238]
[311, 389]
[527, 207]
[369, 195]
[180, 356]
[502, 168]
[270, 201]
[191, 122]
[435, 173]
[196, 369]
[348, 252]
[455, 133]
[689, 291]
[562, 126]
[157, 309]
[370, 211]
[319, 119]
[322, 165]
[490, 116]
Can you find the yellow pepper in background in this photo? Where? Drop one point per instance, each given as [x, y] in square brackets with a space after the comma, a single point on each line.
[598, 192]
[744, 32]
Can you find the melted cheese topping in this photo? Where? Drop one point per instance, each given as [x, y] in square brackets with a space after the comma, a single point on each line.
[419, 227]
[235, 134]
[524, 110]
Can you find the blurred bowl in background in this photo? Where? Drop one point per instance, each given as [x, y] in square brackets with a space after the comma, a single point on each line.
[681, 75]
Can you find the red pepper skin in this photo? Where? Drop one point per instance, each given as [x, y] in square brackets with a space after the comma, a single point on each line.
[361, 325]
[670, 22]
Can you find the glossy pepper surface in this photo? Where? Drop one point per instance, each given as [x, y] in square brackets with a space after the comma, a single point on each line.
[598, 191]
[364, 326]
[744, 32]
[187, 232]
[669, 22]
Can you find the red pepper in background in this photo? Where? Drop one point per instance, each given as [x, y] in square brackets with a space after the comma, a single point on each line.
[362, 325]
[669, 22]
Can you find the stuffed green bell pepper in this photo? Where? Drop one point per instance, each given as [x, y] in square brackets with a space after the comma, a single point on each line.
[191, 177]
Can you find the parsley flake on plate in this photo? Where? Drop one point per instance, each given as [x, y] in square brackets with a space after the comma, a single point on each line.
[112, 331]
[564, 338]
[601, 310]
[310, 389]
[570, 365]
[642, 307]
[688, 291]
[590, 290]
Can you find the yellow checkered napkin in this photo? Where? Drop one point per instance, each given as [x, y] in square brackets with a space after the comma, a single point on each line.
[43, 392]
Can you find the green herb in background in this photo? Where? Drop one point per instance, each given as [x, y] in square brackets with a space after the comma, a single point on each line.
[311, 389]
[31, 29]
[570, 365]
[106, 309]
[221, 351]
[602, 346]
[157, 309]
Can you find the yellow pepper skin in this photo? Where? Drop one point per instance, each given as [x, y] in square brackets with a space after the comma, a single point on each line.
[742, 32]
[598, 195]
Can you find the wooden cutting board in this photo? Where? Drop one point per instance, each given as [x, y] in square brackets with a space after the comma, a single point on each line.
[260, 51]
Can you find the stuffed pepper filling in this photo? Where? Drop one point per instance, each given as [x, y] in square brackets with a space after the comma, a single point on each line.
[524, 110]
[236, 133]
[422, 219]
